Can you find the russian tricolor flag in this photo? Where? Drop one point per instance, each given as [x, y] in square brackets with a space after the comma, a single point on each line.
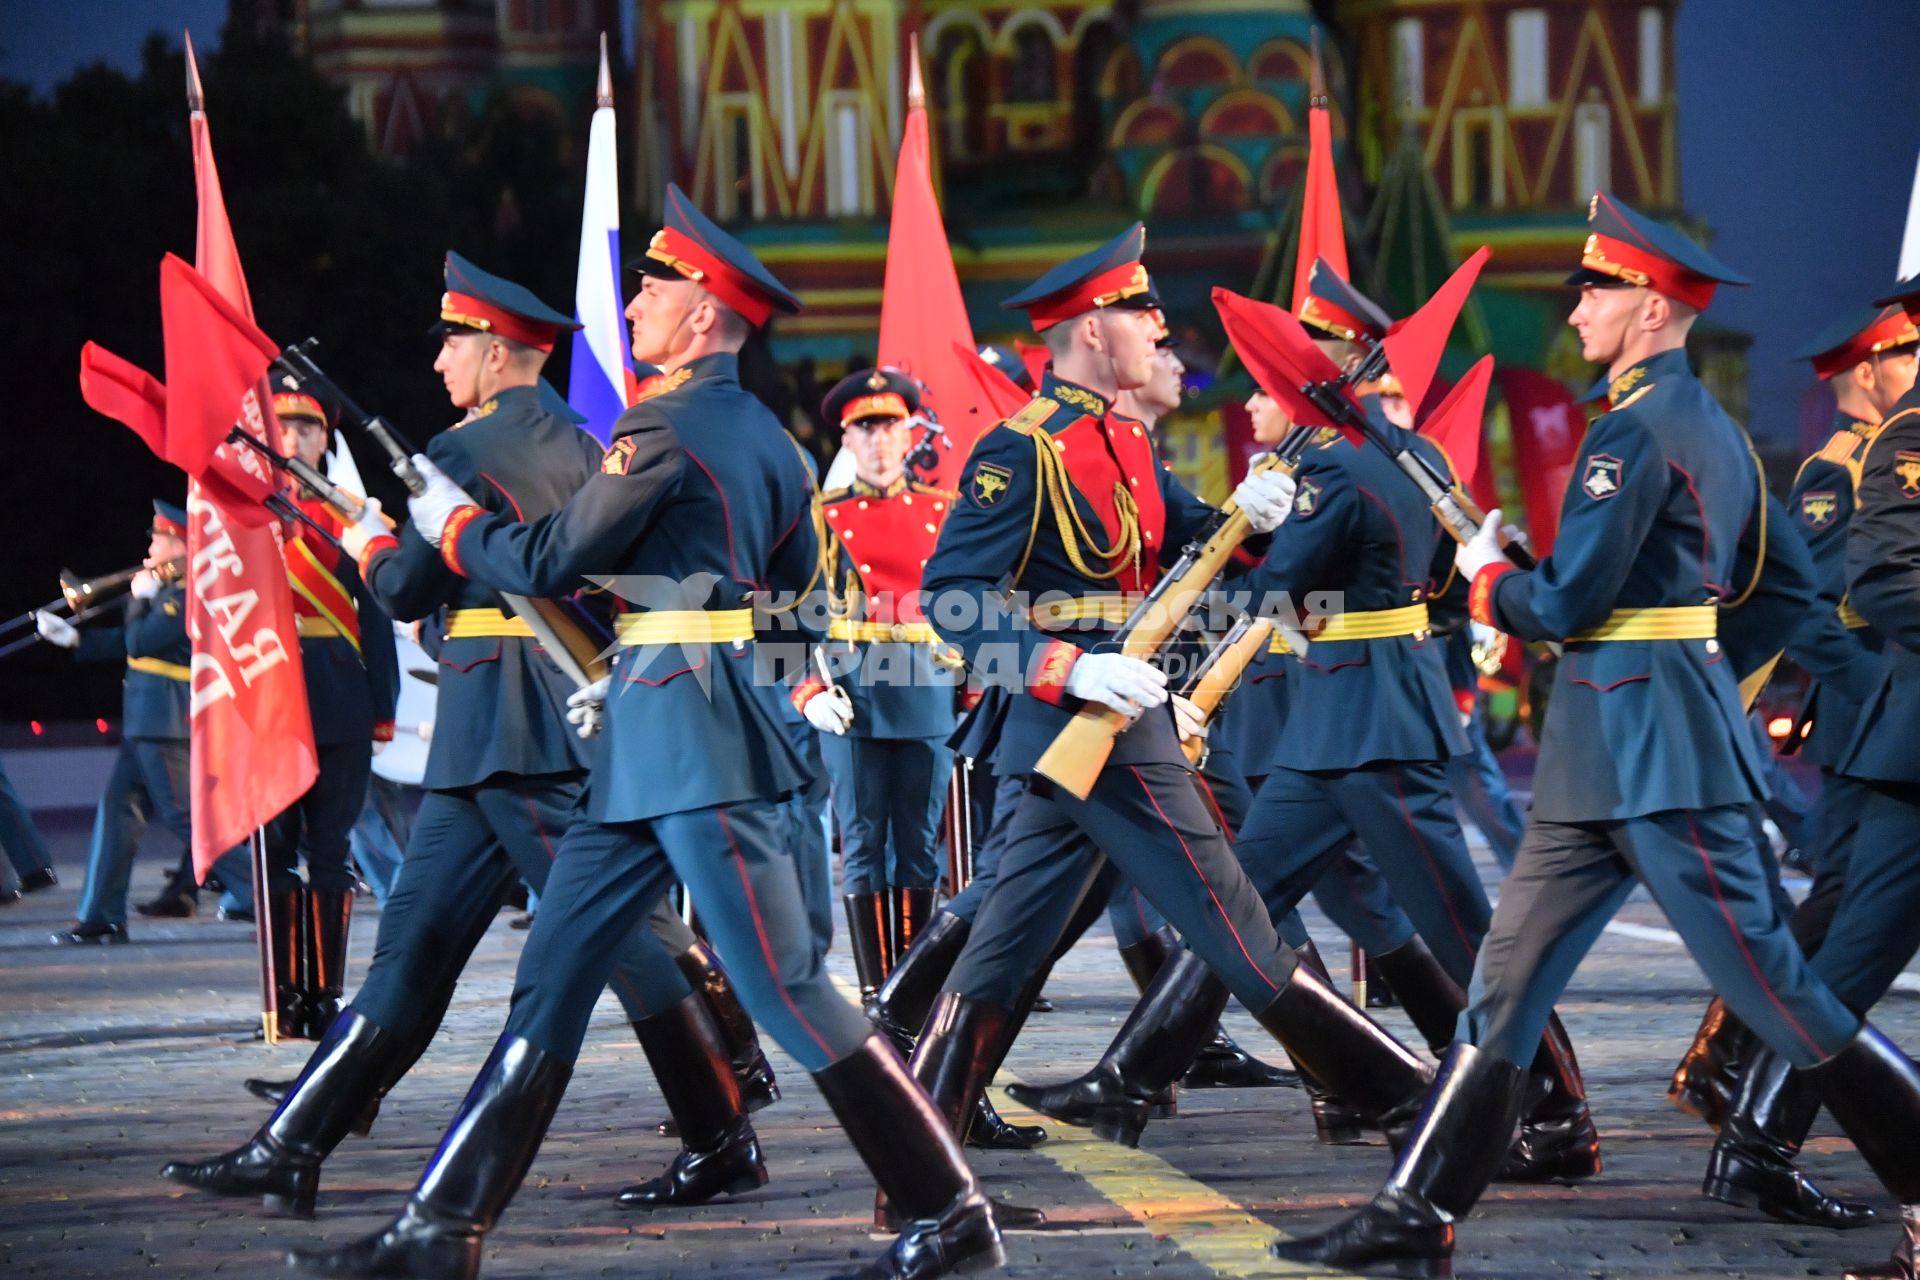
[601, 371]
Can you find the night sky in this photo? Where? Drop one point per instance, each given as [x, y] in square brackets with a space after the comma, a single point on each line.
[1797, 131]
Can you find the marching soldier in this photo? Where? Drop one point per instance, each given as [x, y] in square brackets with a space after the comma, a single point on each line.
[702, 501]
[885, 719]
[149, 778]
[1363, 755]
[1868, 361]
[353, 678]
[1646, 768]
[1113, 515]
[504, 775]
[1859, 923]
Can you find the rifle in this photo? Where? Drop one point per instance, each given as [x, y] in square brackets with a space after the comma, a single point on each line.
[571, 649]
[1219, 674]
[1077, 755]
[1457, 513]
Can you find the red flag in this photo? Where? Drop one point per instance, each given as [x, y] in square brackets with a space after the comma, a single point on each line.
[215, 358]
[922, 315]
[1455, 425]
[1323, 232]
[1547, 426]
[1280, 355]
[1414, 345]
[989, 387]
[126, 393]
[252, 739]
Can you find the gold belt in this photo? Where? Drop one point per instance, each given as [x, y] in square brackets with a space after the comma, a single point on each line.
[1110, 607]
[155, 667]
[684, 626]
[1678, 622]
[312, 628]
[909, 632]
[1850, 617]
[1372, 624]
[472, 624]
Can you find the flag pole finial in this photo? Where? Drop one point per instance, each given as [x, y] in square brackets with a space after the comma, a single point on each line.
[603, 88]
[916, 87]
[196, 98]
[1317, 85]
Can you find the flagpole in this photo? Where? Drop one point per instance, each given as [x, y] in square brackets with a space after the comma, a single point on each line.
[257, 840]
[263, 933]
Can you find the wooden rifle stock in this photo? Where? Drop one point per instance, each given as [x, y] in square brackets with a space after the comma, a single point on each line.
[1077, 755]
[1220, 674]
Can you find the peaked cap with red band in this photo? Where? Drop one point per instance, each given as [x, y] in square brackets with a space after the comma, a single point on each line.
[297, 404]
[168, 518]
[1110, 276]
[1905, 294]
[1859, 336]
[870, 395]
[692, 247]
[482, 301]
[1333, 307]
[1629, 248]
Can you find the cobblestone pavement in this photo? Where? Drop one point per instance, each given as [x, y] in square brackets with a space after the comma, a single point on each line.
[116, 1060]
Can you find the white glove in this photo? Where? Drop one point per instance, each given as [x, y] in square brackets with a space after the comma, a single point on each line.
[56, 630]
[1483, 635]
[1481, 550]
[365, 528]
[1266, 497]
[1188, 720]
[442, 498]
[587, 707]
[830, 711]
[1128, 685]
[145, 585]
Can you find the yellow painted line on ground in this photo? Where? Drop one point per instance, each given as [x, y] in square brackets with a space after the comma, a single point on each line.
[1214, 1230]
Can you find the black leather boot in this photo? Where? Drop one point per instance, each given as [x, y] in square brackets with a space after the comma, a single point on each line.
[912, 911]
[1557, 1141]
[1708, 1076]
[1873, 1090]
[1752, 1161]
[1448, 1160]
[903, 1003]
[867, 935]
[433, 1013]
[1154, 1046]
[1336, 1122]
[1346, 1052]
[478, 1167]
[953, 1061]
[1431, 998]
[719, 1153]
[281, 1164]
[948, 1224]
[990, 1131]
[758, 1087]
[1223, 1064]
[324, 963]
[1143, 960]
[287, 937]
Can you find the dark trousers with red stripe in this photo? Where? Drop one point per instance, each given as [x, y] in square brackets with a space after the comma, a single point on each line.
[318, 826]
[1402, 813]
[1701, 867]
[735, 861]
[466, 849]
[1163, 836]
